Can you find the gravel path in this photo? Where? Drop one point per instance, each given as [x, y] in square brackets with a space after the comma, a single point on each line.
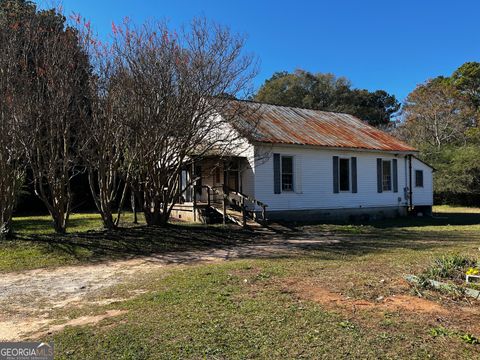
[28, 298]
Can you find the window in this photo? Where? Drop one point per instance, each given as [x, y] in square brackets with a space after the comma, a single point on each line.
[287, 173]
[386, 175]
[344, 169]
[185, 186]
[418, 178]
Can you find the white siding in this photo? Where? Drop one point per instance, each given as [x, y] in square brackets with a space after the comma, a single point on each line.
[247, 175]
[422, 195]
[315, 190]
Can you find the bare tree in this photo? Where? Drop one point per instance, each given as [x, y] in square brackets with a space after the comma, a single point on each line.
[57, 78]
[11, 156]
[172, 87]
[103, 139]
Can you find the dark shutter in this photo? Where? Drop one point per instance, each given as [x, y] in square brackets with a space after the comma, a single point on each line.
[379, 176]
[395, 175]
[354, 175]
[335, 175]
[276, 174]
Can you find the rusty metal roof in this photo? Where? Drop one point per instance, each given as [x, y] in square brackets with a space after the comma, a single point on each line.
[288, 125]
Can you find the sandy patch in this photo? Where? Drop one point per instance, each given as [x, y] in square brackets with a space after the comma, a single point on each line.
[396, 302]
[414, 304]
[81, 321]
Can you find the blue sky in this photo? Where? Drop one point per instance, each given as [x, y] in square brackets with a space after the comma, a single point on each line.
[390, 45]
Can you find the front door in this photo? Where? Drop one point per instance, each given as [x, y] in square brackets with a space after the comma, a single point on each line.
[231, 176]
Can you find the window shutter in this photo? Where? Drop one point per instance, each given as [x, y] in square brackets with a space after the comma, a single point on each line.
[297, 184]
[354, 175]
[395, 175]
[379, 176]
[335, 175]
[276, 174]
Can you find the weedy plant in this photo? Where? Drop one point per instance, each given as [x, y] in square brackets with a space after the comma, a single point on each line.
[451, 267]
[470, 339]
[441, 331]
[347, 325]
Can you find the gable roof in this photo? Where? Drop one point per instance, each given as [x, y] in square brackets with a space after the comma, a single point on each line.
[296, 126]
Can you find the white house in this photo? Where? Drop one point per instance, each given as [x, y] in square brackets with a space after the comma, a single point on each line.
[301, 164]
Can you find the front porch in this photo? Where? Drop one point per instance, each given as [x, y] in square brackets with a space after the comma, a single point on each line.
[216, 190]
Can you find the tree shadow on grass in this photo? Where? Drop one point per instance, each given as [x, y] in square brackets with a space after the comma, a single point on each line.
[393, 240]
[141, 241]
[326, 241]
[331, 241]
[438, 219]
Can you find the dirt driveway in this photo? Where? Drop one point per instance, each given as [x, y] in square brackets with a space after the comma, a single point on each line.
[29, 299]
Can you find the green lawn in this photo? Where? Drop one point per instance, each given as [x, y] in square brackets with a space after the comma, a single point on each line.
[30, 252]
[36, 245]
[279, 307]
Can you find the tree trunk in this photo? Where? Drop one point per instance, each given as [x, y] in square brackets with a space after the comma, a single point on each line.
[154, 214]
[122, 202]
[134, 205]
[59, 224]
[155, 218]
[6, 210]
[5, 230]
[108, 222]
[102, 199]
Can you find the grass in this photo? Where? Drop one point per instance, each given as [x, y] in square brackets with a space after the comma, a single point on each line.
[228, 311]
[36, 245]
[24, 253]
[42, 225]
[269, 307]
[211, 312]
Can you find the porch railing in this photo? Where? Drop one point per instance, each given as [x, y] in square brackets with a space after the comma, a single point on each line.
[235, 198]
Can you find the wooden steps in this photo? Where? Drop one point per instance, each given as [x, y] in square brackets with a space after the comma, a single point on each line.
[236, 217]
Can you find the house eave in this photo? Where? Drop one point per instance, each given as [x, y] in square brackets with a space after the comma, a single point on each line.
[425, 163]
[337, 148]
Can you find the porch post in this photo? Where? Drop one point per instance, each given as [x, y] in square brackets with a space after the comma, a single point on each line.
[224, 204]
[244, 213]
[239, 175]
[194, 205]
[194, 192]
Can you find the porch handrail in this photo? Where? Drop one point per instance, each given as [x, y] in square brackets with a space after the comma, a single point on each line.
[247, 197]
[227, 198]
[210, 190]
[243, 198]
